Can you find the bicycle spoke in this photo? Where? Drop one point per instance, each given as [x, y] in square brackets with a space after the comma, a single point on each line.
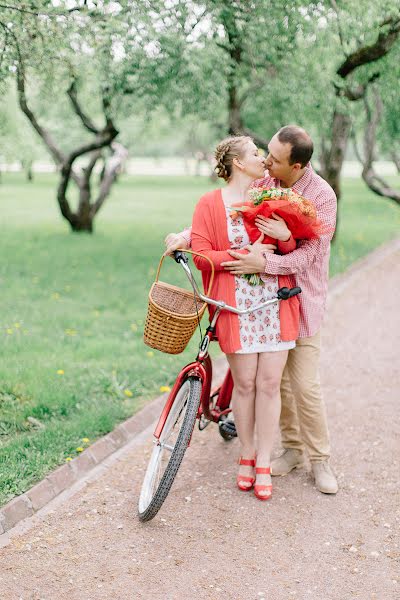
[168, 451]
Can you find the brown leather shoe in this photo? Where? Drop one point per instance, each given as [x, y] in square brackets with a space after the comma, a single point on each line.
[290, 459]
[325, 479]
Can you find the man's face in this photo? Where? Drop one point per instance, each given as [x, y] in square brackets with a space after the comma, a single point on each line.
[277, 161]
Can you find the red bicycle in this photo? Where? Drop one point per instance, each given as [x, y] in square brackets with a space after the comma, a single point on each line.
[190, 398]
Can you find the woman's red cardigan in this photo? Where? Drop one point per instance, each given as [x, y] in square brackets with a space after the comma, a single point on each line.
[210, 237]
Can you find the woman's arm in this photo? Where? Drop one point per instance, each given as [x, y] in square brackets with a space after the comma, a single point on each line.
[202, 241]
[288, 246]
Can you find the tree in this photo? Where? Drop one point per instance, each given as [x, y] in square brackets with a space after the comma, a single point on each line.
[366, 39]
[105, 57]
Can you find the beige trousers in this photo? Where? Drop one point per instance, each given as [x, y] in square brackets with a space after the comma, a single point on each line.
[303, 419]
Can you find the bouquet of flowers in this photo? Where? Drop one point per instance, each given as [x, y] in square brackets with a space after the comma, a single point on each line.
[298, 213]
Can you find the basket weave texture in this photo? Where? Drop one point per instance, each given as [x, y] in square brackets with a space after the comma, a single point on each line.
[173, 315]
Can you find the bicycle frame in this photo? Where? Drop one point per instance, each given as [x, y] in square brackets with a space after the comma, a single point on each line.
[202, 366]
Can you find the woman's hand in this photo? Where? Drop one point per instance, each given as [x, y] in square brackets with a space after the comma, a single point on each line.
[173, 241]
[253, 262]
[275, 227]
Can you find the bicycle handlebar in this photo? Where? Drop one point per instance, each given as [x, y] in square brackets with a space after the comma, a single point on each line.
[283, 293]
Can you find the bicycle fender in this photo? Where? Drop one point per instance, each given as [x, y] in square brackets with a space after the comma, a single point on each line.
[191, 370]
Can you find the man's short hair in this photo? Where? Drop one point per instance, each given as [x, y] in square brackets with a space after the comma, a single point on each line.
[302, 144]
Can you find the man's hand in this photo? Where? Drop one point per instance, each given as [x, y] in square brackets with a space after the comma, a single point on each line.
[253, 262]
[275, 227]
[173, 241]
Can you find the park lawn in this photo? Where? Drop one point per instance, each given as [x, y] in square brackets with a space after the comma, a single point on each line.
[73, 363]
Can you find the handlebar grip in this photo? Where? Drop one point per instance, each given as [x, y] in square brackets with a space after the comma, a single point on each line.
[180, 256]
[285, 293]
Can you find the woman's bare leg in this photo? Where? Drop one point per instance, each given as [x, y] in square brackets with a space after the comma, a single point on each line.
[244, 369]
[267, 407]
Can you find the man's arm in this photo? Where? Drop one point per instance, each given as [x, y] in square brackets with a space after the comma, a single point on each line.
[308, 250]
[294, 262]
[173, 241]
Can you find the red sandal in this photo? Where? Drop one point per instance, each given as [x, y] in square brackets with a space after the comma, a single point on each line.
[248, 462]
[262, 488]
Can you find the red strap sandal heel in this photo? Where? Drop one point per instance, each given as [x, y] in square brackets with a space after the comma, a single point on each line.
[263, 488]
[248, 462]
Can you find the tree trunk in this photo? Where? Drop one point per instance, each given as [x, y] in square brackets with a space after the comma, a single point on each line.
[396, 160]
[375, 183]
[333, 159]
[235, 122]
[27, 166]
[82, 224]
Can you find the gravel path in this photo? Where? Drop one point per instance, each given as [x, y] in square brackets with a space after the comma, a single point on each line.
[211, 541]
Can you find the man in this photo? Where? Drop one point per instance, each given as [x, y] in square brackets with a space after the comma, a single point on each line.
[303, 418]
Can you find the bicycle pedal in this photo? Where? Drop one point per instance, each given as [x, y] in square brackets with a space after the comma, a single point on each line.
[228, 427]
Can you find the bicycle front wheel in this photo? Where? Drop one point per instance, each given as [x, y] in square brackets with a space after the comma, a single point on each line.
[169, 450]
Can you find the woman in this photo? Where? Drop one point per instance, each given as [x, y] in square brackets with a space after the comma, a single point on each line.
[256, 344]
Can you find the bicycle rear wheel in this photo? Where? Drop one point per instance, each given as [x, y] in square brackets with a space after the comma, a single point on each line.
[169, 450]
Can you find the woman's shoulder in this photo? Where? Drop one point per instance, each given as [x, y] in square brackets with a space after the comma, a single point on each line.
[209, 197]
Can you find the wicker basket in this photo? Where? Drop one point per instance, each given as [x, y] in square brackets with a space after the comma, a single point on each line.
[173, 314]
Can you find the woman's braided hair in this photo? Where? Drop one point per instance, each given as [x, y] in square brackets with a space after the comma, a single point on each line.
[226, 151]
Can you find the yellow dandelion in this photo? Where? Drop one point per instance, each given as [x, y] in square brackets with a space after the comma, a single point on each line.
[85, 440]
[128, 393]
[68, 459]
[60, 372]
[165, 388]
[150, 353]
[134, 327]
[79, 449]
[17, 325]
[9, 331]
[55, 296]
[70, 332]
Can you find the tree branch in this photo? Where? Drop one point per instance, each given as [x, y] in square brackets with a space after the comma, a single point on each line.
[87, 171]
[19, 9]
[112, 167]
[340, 32]
[395, 159]
[354, 94]
[56, 153]
[357, 151]
[375, 183]
[374, 52]
[86, 121]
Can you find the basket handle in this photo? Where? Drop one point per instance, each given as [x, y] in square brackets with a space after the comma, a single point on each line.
[196, 254]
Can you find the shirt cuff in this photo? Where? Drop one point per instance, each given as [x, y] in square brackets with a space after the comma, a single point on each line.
[186, 234]
[288, 246]
[271, 264]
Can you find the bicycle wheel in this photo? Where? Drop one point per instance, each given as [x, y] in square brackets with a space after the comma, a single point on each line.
[169, 450]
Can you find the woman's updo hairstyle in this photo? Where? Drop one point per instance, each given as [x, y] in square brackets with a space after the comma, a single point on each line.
[226, 151]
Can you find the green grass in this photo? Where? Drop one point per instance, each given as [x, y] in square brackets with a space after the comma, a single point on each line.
[76, 303]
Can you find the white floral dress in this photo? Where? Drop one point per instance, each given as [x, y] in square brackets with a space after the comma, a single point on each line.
[260, 330]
